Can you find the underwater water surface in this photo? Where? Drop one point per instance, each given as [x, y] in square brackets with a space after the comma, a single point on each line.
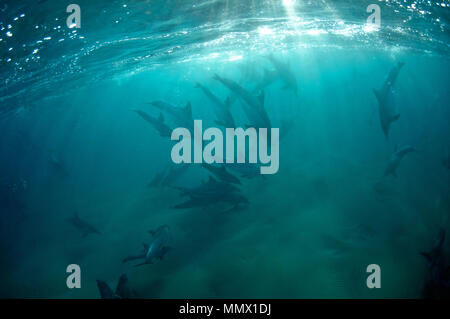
[86, 173]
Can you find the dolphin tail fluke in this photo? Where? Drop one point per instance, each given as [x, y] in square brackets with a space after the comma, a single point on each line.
[105, 291]
[401, 64]
[122, 286]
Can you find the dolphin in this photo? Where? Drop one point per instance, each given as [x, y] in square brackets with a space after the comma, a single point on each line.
[388, 113]
[157, 123]
[221, 173]
[396, 158]
[157, 249]
[84, 227]
[438, 282]
[182, 117]
[253, 106]
[221, 109]
[285, 74]
[122, 289]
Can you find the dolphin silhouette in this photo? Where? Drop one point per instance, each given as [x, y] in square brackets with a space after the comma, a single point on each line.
[386, 107]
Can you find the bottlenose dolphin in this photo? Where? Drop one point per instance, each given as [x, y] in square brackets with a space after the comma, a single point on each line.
[438, 282]
[157, 123]
[182, 117]
[396, 158]
[253, 106]
[221, 109]
[285, 73]
[386, 107]
[84, 227]
[157, 249]
[221, 173]
[122, 289]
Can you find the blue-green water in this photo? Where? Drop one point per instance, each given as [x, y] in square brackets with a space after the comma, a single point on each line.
[70, 142]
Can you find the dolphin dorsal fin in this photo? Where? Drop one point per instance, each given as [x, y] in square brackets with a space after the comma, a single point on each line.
[161, 118]
[188, 109]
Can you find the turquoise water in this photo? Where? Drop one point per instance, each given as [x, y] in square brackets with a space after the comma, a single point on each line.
[71, 142]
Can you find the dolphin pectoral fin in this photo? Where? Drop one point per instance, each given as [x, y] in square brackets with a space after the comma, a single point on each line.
[146, 247]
